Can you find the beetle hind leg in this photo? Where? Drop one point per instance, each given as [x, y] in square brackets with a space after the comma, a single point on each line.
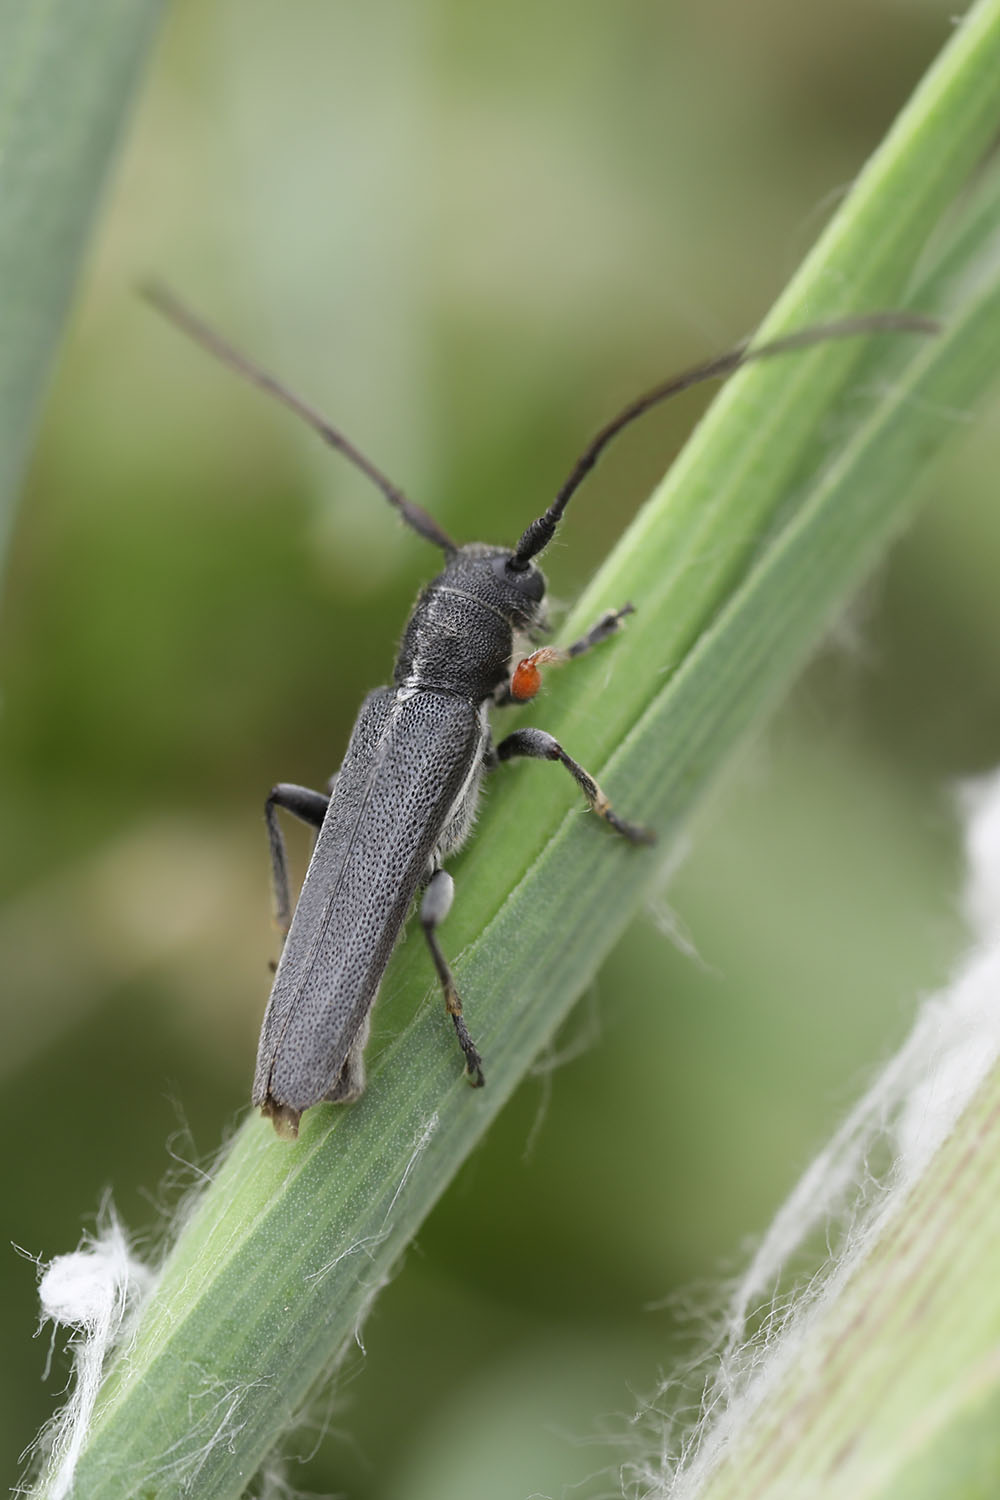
[434, 907]
[306, 805]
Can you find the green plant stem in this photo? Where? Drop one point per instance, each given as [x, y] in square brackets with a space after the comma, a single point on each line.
[761, 531]
[68, 69]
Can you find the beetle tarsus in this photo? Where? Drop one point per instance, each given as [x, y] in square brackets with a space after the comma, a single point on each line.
[609, 624]
[636, 833]
[473, 1062]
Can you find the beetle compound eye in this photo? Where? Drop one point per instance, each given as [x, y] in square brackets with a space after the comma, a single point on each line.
[526, 579]
[531, 584]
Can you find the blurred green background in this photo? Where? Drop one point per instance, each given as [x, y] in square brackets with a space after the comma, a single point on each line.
[469, 234]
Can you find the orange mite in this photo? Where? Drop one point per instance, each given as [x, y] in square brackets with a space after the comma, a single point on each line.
[526, 680]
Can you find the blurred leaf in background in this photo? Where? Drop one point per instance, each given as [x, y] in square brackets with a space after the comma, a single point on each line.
[68, 72]
[468, 235]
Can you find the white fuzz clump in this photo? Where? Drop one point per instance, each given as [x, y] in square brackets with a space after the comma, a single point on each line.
[855, 1183]
[93, 1292]
[96, 1293]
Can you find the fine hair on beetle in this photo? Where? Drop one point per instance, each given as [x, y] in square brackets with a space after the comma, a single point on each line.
[405, 796]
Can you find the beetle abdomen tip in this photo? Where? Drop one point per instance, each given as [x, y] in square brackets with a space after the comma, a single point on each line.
[283, 1117]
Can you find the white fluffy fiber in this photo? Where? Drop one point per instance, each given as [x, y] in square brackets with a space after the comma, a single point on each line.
[92, 1292]
[95, 1293]
[856, 1182]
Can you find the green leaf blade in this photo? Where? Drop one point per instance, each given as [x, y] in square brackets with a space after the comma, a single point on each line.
[68, 70]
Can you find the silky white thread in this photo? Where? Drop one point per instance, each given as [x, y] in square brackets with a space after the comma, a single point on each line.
[93, 1292]
[668, 922]
[849, 1190]
[370, 1242]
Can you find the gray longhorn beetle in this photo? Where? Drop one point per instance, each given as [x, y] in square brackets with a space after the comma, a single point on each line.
[405, 797]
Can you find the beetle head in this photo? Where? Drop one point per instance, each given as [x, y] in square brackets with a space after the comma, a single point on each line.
[491, 574]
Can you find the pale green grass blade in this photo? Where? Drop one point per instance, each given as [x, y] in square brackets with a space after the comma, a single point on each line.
[68, 70]
[897, 1392]
[762, 530]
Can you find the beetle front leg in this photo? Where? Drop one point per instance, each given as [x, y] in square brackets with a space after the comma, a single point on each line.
[434, 907]
[537, 745]
[526, 679]
[309, 807]
[609, 624]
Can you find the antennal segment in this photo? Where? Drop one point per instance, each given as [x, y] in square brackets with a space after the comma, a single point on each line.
[182, 317]
[538, 535]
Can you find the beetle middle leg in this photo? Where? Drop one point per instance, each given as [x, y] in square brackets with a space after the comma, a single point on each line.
[608, 624]
[434, 907]
[538, 745]
[309, 807]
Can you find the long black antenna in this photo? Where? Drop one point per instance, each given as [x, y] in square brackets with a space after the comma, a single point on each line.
[538, 535]
[182, 317]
